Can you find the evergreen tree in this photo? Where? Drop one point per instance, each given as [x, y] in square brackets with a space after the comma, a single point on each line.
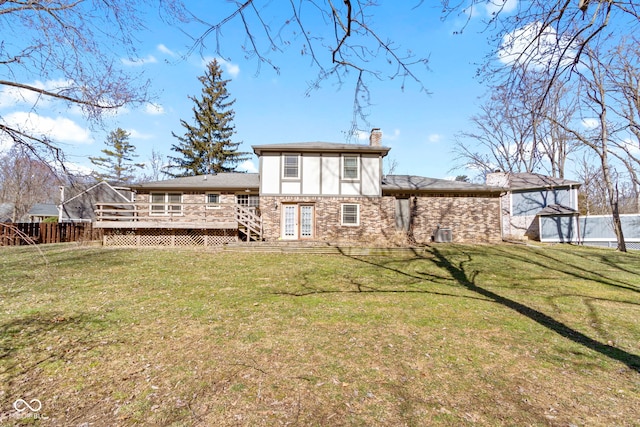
[206, 146]
[117, 161]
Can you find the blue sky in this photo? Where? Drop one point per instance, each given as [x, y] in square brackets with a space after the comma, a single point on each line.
[273, 108]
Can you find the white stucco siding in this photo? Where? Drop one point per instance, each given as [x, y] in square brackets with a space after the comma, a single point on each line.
[270, 174]
[330, 175]
[370, 176]
[350, 188]
[311, 174]
[291, 188]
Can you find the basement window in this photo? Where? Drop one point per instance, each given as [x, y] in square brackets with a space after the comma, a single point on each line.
[350, 214]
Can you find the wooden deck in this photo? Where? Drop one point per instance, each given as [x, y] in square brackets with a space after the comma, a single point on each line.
[211, 225]
[179, 216]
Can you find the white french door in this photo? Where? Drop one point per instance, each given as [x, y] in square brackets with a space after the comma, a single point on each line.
[297, 221]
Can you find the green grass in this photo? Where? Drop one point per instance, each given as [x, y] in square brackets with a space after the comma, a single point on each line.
[455, 335]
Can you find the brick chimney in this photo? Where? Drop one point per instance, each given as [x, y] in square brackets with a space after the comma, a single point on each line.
[375, 139]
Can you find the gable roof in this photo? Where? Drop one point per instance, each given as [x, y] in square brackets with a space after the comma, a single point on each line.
[80, 199]
[220, 181]
[43, 209]
[319, 147]
[412, 183]
[526, 181]
[553, 210]
[6, 212]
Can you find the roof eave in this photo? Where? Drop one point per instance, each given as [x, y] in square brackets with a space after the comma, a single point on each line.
[260, 149]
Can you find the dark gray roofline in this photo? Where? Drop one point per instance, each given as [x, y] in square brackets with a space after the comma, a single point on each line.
[553, 210]
[319, 147]
[409, 184]
[231, 181]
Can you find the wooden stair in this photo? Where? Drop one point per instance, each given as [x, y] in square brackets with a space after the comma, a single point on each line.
[249, 223]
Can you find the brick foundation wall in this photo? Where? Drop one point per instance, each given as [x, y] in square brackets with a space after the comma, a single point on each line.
[472, 219]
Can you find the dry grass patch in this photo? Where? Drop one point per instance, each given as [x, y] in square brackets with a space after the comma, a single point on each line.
[458, 335]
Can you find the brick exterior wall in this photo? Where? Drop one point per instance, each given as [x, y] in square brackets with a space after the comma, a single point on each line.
[472, 219]
[193, 209]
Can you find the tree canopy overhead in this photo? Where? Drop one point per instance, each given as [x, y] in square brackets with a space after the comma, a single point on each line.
[69, 51]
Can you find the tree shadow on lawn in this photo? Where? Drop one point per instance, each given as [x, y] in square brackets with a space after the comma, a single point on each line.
[549, 262]
[415, 287]
[467, 280]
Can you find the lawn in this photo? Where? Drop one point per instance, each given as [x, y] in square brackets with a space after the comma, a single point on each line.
[451, 335]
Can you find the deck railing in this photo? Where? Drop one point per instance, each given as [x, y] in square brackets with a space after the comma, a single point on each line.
[145, 211]
[182, 215]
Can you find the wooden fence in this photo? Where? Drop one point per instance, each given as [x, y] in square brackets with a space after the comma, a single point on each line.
[13, 234]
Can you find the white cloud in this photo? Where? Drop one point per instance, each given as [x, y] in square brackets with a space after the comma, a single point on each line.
[77, 169]
[590, 123]
[163, 49]
[248, 166]
[232, 69]
[392, 137]
[631, 145]
[137, 62]
[362, 135]
[57, 129]
[535, 46]
[434, 138]
[5, 143]
[10, 96]
[500, 6]
[139, 135]
[154, 109]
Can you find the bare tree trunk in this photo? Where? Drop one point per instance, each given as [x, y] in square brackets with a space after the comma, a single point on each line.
[612, 192]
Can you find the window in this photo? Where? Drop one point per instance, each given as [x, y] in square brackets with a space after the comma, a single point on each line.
[166, 203]
[350, 214]
[248, 200]
[291, 169]
[350, 167]
[213, 200]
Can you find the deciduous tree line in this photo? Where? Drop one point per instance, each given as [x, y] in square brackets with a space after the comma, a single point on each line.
[563, 73]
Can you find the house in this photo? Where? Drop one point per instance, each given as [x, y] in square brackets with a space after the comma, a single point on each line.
[6, 212]
[312, 191]
[78, 201]
[532, 201]
[41, 211]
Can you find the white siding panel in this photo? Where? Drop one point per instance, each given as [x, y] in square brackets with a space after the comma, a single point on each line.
[350, 188]
[311, 174]
[330, 175]
[371, 176]
[291, 187]
[270, 174]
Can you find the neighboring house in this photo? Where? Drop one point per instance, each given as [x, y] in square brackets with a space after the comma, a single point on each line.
[533, 199]
[6, 212]
[305, 191]
[79, 200]
[41, 211]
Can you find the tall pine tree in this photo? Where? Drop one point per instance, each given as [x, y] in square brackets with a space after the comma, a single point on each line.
[117, 161]
[206, 146]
